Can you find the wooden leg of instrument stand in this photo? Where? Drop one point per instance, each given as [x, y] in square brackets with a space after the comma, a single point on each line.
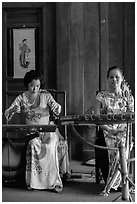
[125, 193]
[9, 178]
[75, 176]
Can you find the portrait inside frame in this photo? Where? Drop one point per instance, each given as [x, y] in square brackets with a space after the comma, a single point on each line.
[23, 51]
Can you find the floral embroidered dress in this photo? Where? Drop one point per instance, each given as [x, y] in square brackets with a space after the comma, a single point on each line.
[45, 152]
[112, 104]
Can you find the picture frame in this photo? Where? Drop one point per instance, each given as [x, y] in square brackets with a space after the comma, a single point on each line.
[22, 51]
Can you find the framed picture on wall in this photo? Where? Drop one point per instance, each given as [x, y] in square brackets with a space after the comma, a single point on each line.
[24, 56]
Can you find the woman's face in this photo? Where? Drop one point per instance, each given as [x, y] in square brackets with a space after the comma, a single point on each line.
[34, 86]
[115, 78]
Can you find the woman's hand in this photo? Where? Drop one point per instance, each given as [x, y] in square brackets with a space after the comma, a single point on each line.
[113, 131]
[108, 129]
[15, 109]
[56, 108]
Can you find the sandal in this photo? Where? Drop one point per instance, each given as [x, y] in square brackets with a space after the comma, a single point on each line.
[132, 190]
[104, 193]
[32, 189]
[29, 188]
[58, 189]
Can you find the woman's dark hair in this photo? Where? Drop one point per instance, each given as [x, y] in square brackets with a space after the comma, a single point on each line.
[114, 67]
[31, 75]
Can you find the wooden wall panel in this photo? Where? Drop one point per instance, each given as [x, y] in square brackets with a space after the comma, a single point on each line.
[47, 50]
[103, 45]
[76, 55]
[80, 35]
[16, 16]
[121, 38]
[76, 66]
[4, 63]
[115, 34]
[129, 44]
[91, 55]
[91, 70]
[62, 44]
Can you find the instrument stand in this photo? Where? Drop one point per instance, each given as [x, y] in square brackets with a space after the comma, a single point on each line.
[69, 176]
[75, 176]
[127, 193]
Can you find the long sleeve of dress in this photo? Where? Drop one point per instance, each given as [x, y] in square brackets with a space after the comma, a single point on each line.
[55, 107]
[101, 97]
[16, 102]
[130, 104]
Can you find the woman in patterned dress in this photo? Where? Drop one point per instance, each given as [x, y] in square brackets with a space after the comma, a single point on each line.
[116, 100]
[48, 150]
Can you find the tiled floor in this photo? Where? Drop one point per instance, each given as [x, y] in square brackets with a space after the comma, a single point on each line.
[81, 188]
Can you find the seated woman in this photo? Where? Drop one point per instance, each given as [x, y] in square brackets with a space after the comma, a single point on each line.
[46, 151]
[116, 100]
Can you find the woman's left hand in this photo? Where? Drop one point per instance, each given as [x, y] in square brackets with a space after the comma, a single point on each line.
[119, 131]
[56, 109]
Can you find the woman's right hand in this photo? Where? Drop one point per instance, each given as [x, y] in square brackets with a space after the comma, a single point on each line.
[15, 109]
[108, 129]
[112, 131]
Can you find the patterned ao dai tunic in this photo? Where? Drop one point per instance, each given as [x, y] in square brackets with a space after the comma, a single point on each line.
[112, 104]
[46, 152]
